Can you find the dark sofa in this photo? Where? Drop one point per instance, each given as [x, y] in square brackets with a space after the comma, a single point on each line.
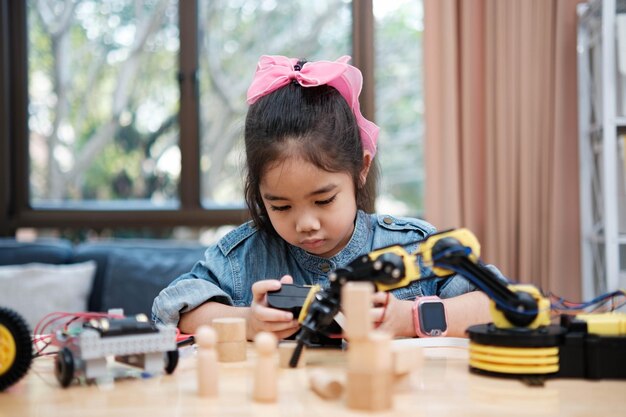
[129, 273]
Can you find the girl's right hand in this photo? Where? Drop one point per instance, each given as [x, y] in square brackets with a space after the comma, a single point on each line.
[264, 318]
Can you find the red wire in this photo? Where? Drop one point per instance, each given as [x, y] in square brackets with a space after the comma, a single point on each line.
[44, 329]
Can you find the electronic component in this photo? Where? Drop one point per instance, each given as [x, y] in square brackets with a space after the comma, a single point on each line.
[131, 340]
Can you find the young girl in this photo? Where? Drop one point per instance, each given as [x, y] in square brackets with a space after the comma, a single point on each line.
[309, 152]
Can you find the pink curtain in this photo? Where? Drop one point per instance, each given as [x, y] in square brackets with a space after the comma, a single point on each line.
[501, 133]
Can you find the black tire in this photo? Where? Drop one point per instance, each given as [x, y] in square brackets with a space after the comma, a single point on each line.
[64, 367]
[16, 349]
[171, 361]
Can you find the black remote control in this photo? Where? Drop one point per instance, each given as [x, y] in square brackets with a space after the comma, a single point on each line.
[290, 297]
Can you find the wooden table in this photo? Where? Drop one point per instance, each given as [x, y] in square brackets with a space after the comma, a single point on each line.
[440, 386]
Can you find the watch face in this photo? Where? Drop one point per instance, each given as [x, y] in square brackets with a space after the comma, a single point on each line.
[433, 318]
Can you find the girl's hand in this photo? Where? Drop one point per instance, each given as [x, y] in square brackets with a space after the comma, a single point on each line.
[392, 315]
[264, 318]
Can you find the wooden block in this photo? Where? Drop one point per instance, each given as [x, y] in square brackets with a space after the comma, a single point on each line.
[406, 359]
[232, 351]
[230, 329]
[208, 366]
[371, 355]
[265, 387]
[370, 391]
[325, 385]
[356, 303]
[285, 352]
[402, 383]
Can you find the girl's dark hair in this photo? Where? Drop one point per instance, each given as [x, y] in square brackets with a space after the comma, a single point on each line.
[321, 125]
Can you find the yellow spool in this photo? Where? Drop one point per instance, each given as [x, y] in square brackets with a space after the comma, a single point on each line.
[515, 370]
[514, 360]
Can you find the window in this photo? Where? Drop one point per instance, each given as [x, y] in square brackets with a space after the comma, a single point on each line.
[103, 103]
[399, 105]
[229, 48]
[130, 113]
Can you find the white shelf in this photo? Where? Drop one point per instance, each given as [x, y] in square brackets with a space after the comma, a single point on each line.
[599, 125]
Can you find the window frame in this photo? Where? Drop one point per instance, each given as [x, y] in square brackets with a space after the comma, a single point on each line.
[14, 133]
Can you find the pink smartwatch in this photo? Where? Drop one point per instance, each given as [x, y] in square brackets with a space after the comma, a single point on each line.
[429, 317]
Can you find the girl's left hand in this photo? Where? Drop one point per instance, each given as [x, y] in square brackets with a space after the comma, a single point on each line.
[392, 315]
[261, 317]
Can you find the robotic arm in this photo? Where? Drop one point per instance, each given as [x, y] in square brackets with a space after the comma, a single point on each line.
[512, 305]
[449, 252]
[521, 341]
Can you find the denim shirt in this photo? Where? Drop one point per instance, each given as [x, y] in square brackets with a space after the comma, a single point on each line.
[245, 256]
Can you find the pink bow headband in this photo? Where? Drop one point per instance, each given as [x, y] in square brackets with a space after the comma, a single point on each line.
[274, 72]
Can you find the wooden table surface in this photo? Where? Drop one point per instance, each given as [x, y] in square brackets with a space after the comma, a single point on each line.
[440, 386]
